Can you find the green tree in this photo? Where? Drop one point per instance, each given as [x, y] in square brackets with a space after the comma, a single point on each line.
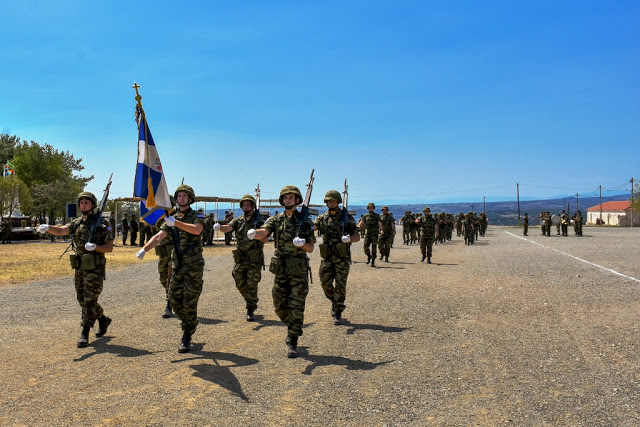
[7, 146]
[14, 193]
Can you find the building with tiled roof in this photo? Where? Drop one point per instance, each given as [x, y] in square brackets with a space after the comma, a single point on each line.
[613, 213]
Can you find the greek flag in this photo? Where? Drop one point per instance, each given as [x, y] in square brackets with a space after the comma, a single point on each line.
[150, 184]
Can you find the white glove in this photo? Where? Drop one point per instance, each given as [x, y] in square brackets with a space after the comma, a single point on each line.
[298, 241]
[170, 221]
[90, 246]
[43, 228]
[346, 238]
[216, 227]
[140, 253]
[251, 234]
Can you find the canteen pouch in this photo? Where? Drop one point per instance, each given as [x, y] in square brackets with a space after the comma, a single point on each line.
[324, 250]
[275, 266]
[237, 257]
[73, 260]
[343, 250]
[295, 266]
[254, 256]
[88, 262]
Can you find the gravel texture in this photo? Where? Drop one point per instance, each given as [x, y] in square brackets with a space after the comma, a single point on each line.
[507, 331]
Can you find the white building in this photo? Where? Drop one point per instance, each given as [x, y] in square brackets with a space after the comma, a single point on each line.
[613, 213]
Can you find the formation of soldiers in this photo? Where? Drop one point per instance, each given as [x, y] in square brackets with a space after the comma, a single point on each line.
[561, 223]
[179, 238]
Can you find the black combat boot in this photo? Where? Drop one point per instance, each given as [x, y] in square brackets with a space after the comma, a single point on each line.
[381, 256]
[337, 317]
[373, 261]
[423, 258]
[103, 324]
[185, 345]
[368, 259]
[167, 311]
[250, 317]
[429, 260]
[386, 258]
[84, 337]
[292, 343]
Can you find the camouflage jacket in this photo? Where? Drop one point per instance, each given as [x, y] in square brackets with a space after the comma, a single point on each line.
[370, 222]
[241, 225]
[285, 229]
[190, 244]
[427, 227]
[407, 220]
[81, 228]
[330, 227]
[387, 221]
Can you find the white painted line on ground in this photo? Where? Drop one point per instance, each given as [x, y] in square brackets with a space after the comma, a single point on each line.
[575, 257]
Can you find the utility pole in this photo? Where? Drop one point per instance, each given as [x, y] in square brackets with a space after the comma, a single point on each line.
[632, 201]
[600, 205]
[577, 202]
[518, 195]
[484, 205]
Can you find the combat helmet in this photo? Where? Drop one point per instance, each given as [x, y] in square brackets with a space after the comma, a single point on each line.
[332, 195]
[426, 209]
[287, 189]
[371, 205]
[250, 198]
[88, 195]
[385, 207]
[187, 189]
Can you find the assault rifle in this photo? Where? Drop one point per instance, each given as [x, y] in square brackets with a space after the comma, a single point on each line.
[305, 204]
[345, 205]
[256, 214]
[101, 206]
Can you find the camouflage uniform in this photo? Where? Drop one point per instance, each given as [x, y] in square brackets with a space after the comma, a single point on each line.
[249, 259]
[208, 230]
[578, 224]
[133, 227]
[228, 236]
[142, 231]
[336, 256]
[407, 222]
[385, 239]
[164, 251]
[564, 221]
[525, 222]
[186, 276]
[89, 266]
[290, 265]
[427, 224]
[370, 225]
[459, 221]
[469, 232]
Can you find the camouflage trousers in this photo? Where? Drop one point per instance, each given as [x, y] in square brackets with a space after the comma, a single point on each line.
[469, 235]
[334, 268]
[526, 229]
[289, 296]
[406, 234]
[370, 239]
[426, 246]
[384, 244]
[184, 292]
[414, 235]
[88, 288]
[163, 270]
[125, 233]
[247, 277]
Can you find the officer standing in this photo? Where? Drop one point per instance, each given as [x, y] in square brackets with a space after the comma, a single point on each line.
[133, 227]
[88, 261]
[249, 255]
[290, 264]
[125, 228]
[388, 231]
[525, 221]
[187, 263]
[370, 222]
[427, 223]
[335, 252]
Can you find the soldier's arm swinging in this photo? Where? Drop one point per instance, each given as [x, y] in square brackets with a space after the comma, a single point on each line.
[59, 230]
[155, 240]
[195, 229]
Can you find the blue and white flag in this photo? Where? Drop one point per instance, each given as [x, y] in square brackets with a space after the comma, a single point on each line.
[150, 184]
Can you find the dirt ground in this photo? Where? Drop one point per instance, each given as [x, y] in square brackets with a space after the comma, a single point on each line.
[512, 330]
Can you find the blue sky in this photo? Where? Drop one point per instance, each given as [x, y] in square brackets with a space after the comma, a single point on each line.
[411, 101]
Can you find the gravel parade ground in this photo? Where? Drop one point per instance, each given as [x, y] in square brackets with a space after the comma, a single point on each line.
[512, 330]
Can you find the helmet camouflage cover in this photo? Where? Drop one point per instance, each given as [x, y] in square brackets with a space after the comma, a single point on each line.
[250, 198]
[187, 189]
[371, 205]
[288, 189]
[88, 195]
[332, 195]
